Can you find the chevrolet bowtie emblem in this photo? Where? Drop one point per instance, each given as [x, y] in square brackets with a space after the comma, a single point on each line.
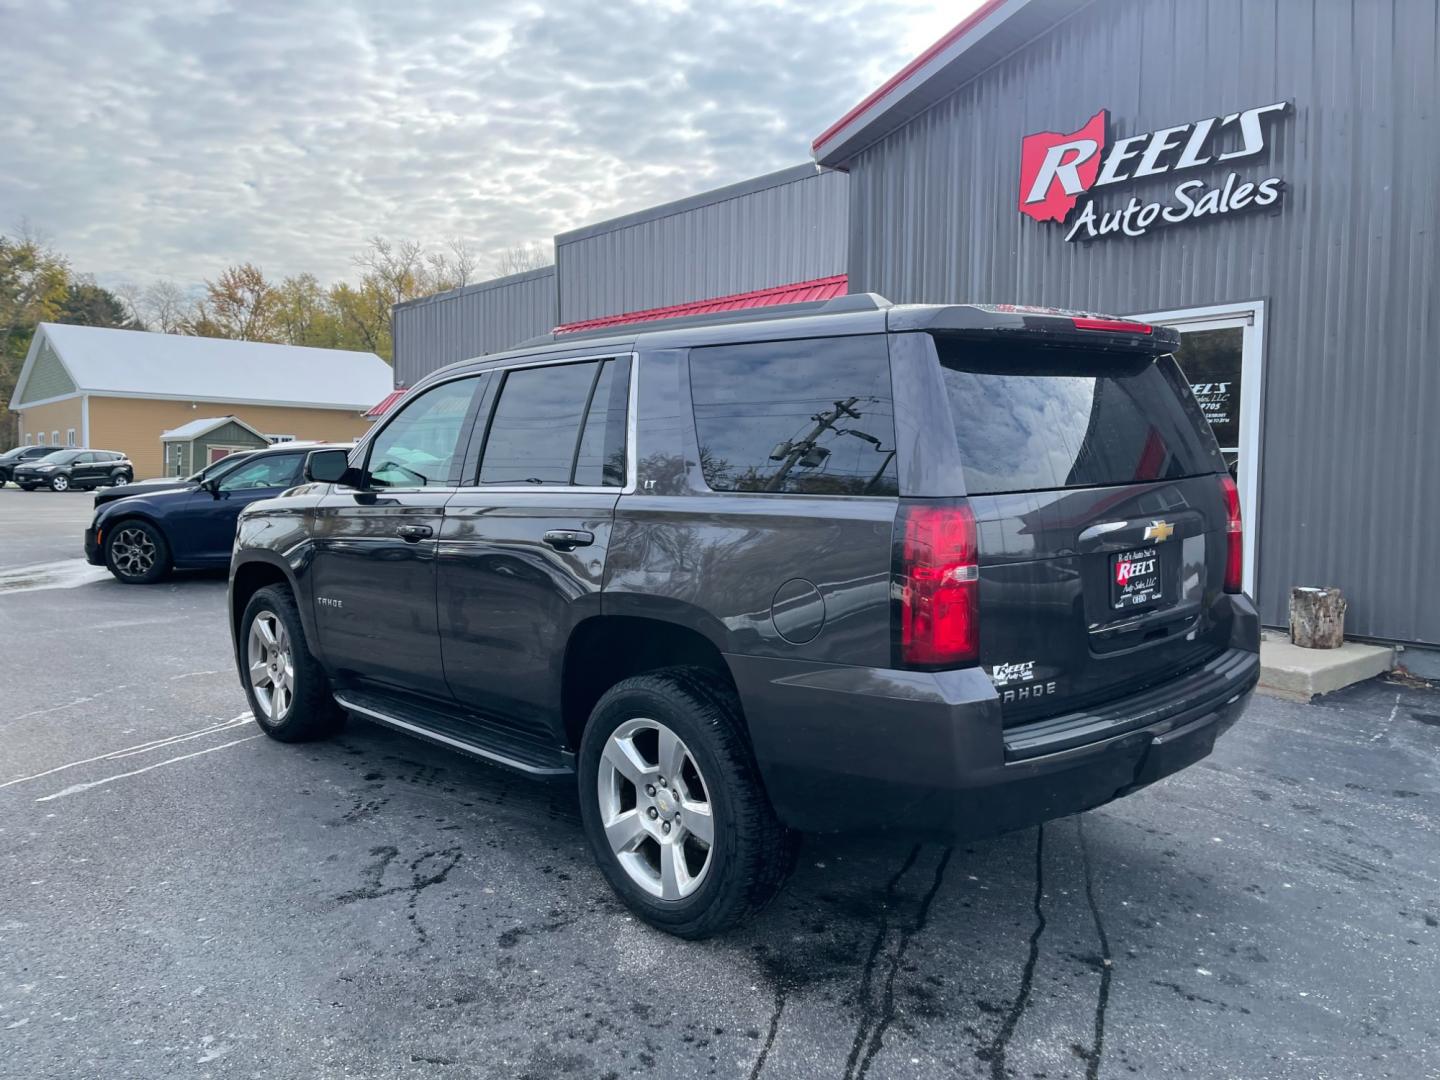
[1159, 530]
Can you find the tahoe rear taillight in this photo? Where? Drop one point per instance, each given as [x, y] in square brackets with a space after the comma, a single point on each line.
[1234, 536]
[937, 583]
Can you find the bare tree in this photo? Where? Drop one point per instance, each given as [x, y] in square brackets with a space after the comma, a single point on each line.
[518, 258]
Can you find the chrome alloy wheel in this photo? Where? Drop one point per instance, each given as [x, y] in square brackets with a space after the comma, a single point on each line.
[133, 552]
[60, 483]
[272, 666]
[656, 810]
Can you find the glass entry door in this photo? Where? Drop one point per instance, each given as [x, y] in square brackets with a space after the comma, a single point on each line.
[1222, 355]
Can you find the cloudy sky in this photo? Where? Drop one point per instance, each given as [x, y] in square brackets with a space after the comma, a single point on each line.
[169, 138]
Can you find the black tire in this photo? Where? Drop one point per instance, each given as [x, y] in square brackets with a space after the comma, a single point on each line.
[752, 854]
[126, 552]
[27, 487]
[311, 712]
[120, 477]
[60, 482]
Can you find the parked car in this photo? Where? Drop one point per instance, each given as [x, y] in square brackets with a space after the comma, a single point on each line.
[143, 537]
[145, 487]
[61, 470]
[947, 570]
[18, 456]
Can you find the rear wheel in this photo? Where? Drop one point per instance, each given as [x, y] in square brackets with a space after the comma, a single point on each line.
[136, 552]
[673, 805]
[288, 690]
[60, 483]
[120, 476]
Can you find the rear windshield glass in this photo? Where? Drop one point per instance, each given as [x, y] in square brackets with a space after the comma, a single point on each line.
[1037, 418]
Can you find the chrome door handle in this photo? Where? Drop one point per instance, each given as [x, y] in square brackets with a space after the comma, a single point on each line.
[414, 533]
[568, 539]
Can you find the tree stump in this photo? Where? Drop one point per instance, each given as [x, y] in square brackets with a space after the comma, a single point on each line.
[1317, 618]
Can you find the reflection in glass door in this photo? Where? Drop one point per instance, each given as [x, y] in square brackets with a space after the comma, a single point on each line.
[1211, 361]
[1222, 355]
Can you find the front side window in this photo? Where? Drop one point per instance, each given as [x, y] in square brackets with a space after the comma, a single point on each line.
[271, 471]
[536, 435]
[808, 417]
[419, 446]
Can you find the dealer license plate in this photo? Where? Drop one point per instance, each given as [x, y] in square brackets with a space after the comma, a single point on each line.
[1135, 579]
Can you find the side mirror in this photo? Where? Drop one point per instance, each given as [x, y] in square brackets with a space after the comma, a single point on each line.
[327, 466]
[212, 485]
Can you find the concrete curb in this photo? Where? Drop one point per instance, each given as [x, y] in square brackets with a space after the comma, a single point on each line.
[1295, 674]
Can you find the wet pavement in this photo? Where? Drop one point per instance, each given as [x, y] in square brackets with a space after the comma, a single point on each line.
[181, 897]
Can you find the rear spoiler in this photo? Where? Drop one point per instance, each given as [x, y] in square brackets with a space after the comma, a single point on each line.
[1039, 326]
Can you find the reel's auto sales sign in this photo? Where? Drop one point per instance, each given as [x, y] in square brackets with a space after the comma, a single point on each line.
[1058, 170]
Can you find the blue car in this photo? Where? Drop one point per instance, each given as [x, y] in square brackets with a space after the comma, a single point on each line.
[143, 537]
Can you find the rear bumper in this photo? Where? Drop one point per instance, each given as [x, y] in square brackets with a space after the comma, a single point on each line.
[865, 748]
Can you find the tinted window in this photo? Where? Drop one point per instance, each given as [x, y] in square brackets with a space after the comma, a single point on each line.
[601, 460]
[272, 470]
[812, 417]
[60, 457]
[1030, 419]
[418, 447]
[536, 424]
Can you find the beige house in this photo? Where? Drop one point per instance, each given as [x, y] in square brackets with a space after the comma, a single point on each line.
[123, 389]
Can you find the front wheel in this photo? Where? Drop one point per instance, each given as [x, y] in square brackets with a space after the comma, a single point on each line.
[27, 487]
[60, 483]
[136, 552]
[288, 690]
[673, 804]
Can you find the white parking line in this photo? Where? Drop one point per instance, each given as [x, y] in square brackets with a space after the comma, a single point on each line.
[75, 789]
[139, 748]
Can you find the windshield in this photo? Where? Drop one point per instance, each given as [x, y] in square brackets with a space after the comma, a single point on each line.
[1033, 418]
[60, 457]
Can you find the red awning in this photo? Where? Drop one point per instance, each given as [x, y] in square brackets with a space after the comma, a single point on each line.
[802, 291]
[385, 405]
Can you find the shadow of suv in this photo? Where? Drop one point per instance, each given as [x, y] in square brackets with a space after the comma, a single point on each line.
[941, 569]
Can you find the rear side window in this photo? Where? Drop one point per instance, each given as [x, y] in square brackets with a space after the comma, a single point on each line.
[1030, 418]
[809, 417]
[560, 424]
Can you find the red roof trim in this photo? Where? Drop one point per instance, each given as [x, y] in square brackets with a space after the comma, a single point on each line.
[385, 404]
[800, 292]
[964, 27]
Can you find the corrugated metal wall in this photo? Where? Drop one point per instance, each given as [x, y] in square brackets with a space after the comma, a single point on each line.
[477, 319]
[777, 229]
[1350, 480]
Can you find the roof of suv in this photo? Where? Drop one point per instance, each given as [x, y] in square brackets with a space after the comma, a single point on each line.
[855, 313]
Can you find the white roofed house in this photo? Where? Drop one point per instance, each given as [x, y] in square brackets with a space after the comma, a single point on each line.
[125, 389]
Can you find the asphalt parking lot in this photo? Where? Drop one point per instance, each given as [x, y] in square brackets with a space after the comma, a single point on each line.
[180, 896]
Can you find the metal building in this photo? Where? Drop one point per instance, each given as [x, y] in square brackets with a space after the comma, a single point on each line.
[773, 239]
[783, 229]
[483, 318]
[1288, 149]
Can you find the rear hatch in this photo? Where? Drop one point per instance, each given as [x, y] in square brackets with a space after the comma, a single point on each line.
[1101, 519]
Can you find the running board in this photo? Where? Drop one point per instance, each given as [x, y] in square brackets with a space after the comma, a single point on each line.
[488, 740]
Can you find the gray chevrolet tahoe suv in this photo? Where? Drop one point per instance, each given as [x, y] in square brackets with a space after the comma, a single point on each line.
[944, 569]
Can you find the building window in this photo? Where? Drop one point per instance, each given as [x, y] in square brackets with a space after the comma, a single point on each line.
[29, 440]
[70, 437]
[54, 438]
[40, 438]
[280, 438]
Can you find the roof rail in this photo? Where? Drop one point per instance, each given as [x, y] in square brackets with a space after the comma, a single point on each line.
[839, 305]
